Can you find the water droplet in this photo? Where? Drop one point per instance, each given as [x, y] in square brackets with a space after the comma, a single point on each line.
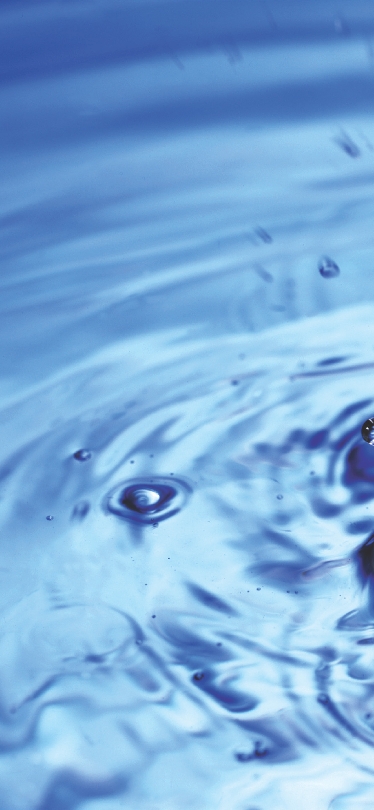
[367, 431]
[142, 501]
[328, 268]
[49, 517]
[82, 455]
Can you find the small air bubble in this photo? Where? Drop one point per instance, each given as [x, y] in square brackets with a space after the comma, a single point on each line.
[234, 382]
[132, 461]
[198, 676]
[49, 517]
[154, 616]
[82, 455]
[258, 589]
[367, 431]
[328, 268]
[280, 497]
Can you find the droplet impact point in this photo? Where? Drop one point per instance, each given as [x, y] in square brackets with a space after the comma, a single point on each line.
[367, 431]
[143, 501]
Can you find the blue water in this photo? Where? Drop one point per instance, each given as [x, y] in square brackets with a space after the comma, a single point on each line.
[187, 359]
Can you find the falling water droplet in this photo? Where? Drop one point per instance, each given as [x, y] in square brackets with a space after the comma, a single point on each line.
[328, 268]
[82, 455]
[142, 501]
[367, 431]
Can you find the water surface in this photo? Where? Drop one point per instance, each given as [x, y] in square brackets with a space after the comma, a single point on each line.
[187, 359]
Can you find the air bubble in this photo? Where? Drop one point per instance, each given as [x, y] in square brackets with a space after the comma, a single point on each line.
[328, 268]
[149, 501]
[49, 517]
[367, 431]
[82, 455]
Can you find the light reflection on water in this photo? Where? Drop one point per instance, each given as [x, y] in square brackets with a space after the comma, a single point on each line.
[187, 608]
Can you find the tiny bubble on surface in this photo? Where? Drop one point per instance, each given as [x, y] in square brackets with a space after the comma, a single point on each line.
[82, 455]
[280, 497]
[367, 431]
[50, 517]
[328, 268]
[198, 676]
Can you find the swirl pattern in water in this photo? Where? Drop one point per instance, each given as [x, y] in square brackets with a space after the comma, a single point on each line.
[187, 406]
